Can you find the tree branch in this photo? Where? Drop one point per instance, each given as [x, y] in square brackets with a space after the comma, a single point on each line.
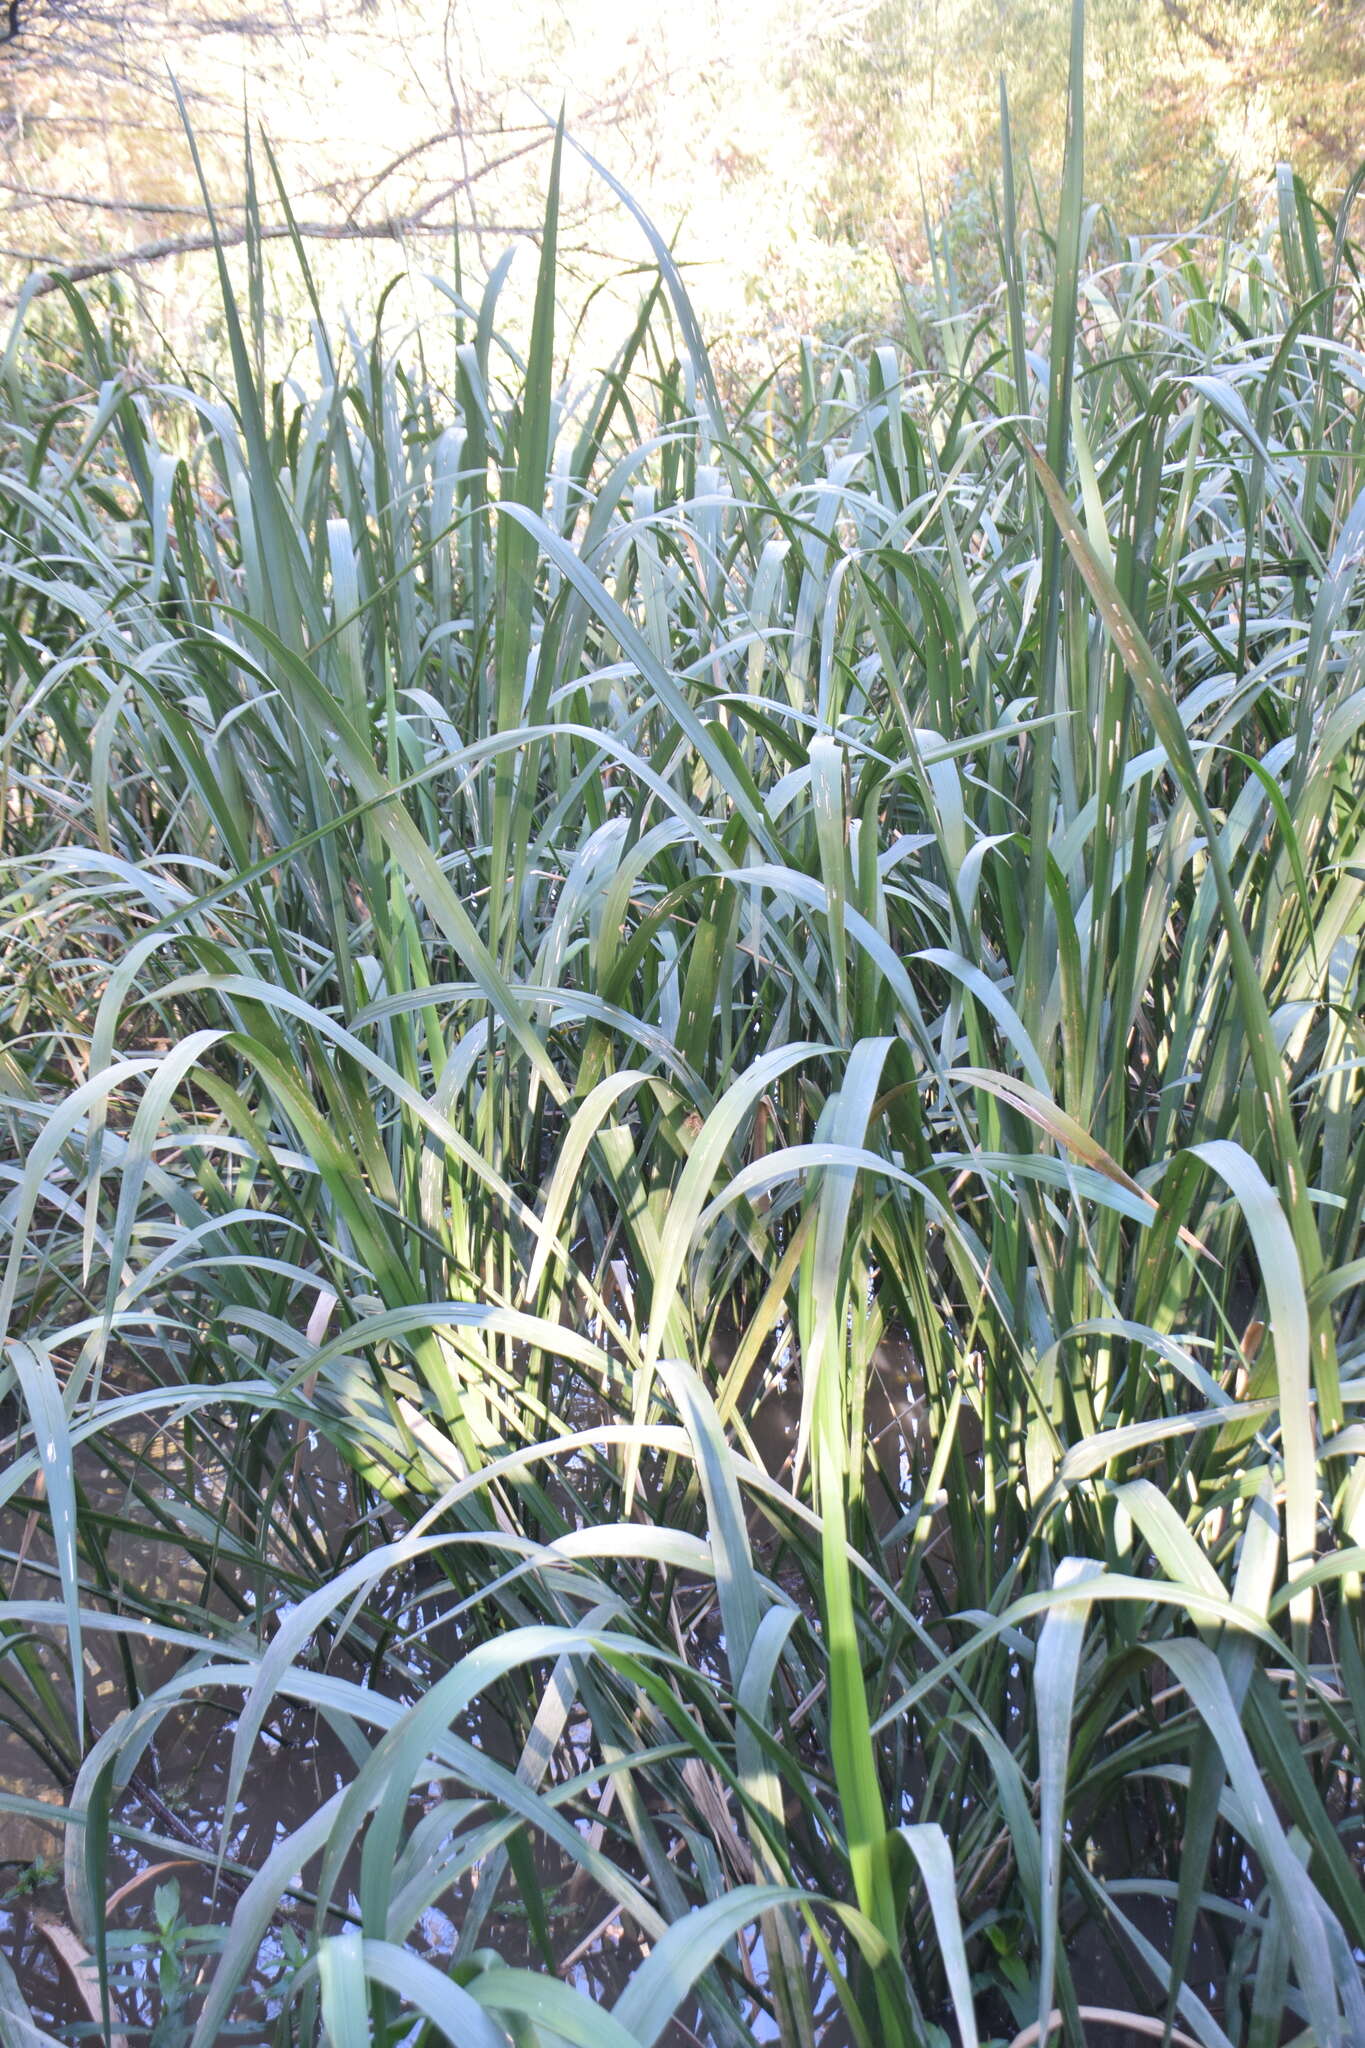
[52, 274]
[97, 202]
[485, 169]
[1180, 17]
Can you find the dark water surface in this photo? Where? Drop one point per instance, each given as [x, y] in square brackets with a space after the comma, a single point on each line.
[178, 1794]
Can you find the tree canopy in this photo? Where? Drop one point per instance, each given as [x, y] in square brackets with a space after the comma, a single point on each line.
[798, 146]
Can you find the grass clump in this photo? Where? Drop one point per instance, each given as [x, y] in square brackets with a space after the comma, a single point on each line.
[683, 1190]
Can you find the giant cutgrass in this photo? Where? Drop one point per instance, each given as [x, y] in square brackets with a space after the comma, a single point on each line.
[548, 926]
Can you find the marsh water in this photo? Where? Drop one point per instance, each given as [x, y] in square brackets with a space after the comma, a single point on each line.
[171, 1811]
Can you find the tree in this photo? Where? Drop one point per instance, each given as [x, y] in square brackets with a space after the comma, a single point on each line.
[903, 94]
[97, 175]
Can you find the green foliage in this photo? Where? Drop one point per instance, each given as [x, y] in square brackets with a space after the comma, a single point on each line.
[684, 1164]
[1184, 102]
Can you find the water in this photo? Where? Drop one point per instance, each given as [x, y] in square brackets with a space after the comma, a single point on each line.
[299, 1761]
[179, 1792]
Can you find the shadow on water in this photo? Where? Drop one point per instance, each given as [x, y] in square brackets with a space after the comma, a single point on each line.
[167, 1824]
[170, 1818]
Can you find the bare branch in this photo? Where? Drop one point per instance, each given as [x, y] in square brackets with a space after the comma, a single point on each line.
[53, 273]
[96, 201]
[1180, 17]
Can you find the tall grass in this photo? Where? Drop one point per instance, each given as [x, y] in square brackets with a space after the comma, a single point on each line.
[683, 1087]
